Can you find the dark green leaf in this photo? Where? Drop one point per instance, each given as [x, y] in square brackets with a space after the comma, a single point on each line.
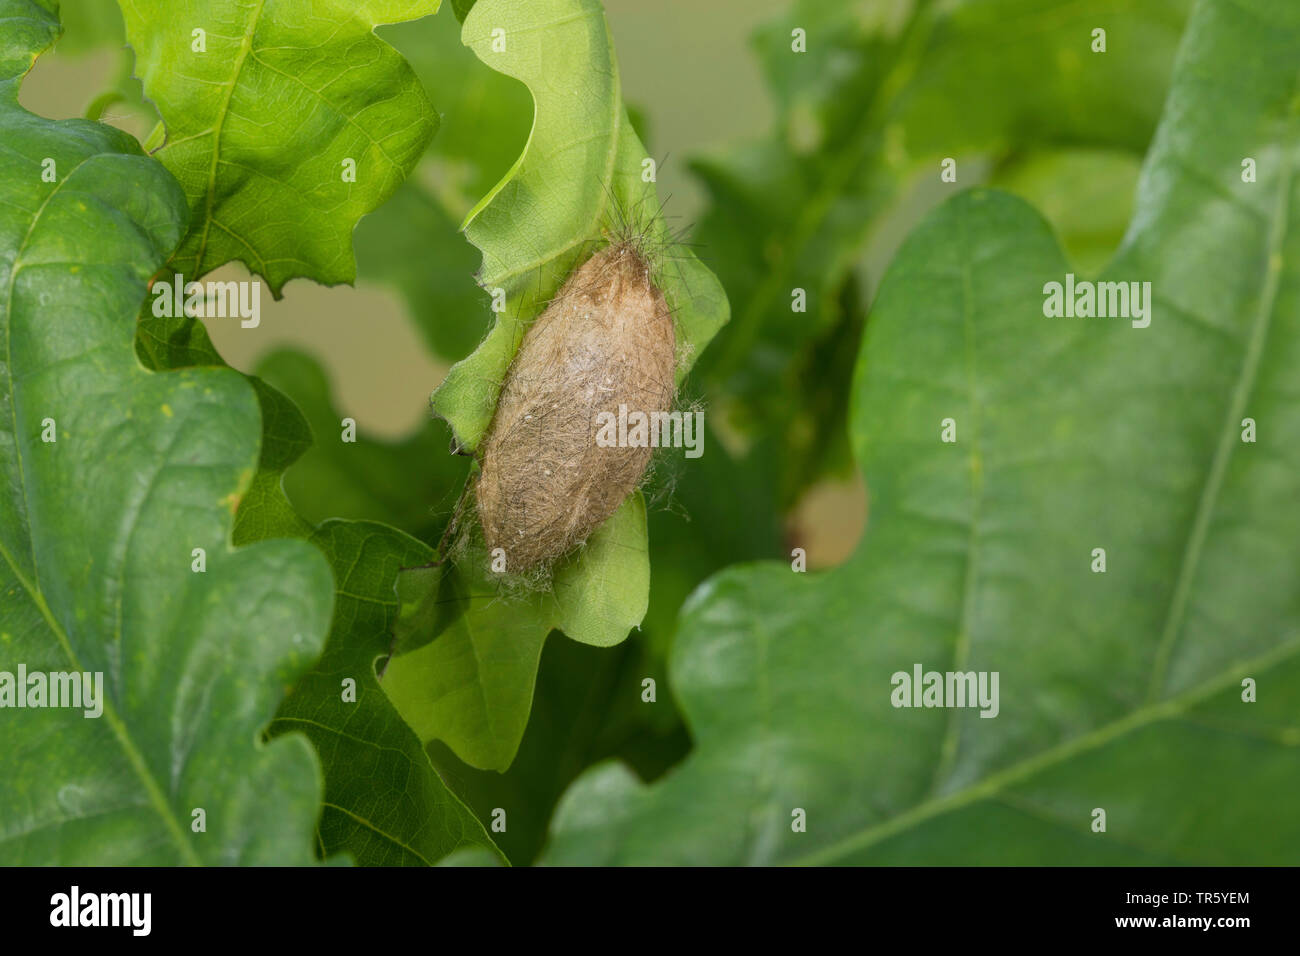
[99, 530]
[383, 801]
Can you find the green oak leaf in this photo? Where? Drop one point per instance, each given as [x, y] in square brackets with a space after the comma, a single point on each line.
[468, 645]
[261, 123]
[792, 378]
[394, 483]
[587, 702]
[580, 172]
[384, 803]
[589, 705]
[264, 512]
[1120, 690]
[724, 498]
[369, 756]
[99, 529]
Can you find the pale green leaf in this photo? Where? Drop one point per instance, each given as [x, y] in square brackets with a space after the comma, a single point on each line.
[468, 646]
[578, 179]
[469, 642]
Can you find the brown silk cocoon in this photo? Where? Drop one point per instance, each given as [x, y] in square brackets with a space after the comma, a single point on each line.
[606, 339]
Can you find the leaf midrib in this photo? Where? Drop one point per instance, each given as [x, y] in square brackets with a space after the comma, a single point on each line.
[245, 48]
[339, 732]
[379, 831]
[997, 782]
[961, 652]
[1228, 440]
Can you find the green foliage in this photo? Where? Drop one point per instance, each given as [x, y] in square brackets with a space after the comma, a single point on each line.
[99, 526]
[462, 8]
[821, 202]
[468, 650]
[384, 802]
[259, 124]
[437, 699]
[589, 704]
[413, 242]
[414, 245]
[89, 25]
[1119, 690]
[577, 182]
[1086, 194]
[409, 484]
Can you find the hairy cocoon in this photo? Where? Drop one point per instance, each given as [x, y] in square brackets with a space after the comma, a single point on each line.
[606, 339]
